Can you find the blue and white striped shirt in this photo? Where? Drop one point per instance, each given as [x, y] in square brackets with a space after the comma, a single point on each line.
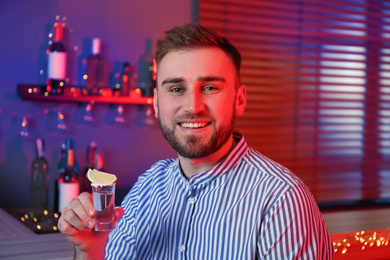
[246, 207]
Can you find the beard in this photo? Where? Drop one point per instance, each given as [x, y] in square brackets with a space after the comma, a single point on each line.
[197, 146]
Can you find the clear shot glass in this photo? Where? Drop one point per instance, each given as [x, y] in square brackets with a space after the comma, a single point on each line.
[104, 203]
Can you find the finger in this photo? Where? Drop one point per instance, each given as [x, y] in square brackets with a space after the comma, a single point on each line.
[76, 215]
[86, 200]
[118, 213]
[65, 228]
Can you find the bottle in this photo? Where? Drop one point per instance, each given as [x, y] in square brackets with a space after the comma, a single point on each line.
[69, 144]
[95, 69]
[56, 63]
[99, 162]
[60, 170]
[125, 78]
[85, 184]
[69, 185]
[39, 181]
[145, 70]
[114, 78]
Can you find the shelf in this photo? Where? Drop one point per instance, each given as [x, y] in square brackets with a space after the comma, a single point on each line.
[72, 94]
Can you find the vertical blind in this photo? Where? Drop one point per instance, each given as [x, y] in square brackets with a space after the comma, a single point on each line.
[318, 83]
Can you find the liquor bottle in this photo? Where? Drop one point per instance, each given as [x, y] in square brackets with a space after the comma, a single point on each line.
[60, 170]
[69, 144]
[69, 186]
[39, 181]
[85, 184]
[95, 69]
[125, 78]
[145, 70]
[56, 63]
[99, 162]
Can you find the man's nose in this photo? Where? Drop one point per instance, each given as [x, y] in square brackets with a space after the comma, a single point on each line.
[194, 103]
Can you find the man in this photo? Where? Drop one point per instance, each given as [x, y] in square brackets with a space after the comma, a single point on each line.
[220, 199]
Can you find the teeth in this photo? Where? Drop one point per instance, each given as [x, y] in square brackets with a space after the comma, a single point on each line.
[193, 125]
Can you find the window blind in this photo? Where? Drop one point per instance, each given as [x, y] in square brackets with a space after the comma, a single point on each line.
[318, 88]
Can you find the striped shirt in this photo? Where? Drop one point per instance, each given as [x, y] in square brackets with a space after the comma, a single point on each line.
[245, 207]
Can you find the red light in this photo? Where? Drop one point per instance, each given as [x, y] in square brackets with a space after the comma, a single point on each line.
[125, 78]
[154, 70]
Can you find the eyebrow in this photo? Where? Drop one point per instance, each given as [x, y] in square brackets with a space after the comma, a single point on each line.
[171, 80]
[200, 79]
[211, 78]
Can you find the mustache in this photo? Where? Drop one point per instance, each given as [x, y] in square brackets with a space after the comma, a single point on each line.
[191, 116]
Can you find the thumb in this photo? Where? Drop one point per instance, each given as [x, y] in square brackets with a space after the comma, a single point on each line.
[118, 213]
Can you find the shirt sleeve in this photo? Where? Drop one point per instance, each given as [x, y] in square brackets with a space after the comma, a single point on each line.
[293, 228]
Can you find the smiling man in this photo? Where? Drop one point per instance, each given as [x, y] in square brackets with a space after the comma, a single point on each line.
[196, 103]
[220, 199]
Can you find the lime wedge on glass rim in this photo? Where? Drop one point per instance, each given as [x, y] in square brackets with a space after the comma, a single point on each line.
[102, 178]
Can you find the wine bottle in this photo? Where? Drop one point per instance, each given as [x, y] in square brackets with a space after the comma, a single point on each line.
[145, 70]
[125, 78]
[69, 185]
[85, 184]
[95, 69]
[56, 63]
[39, 181]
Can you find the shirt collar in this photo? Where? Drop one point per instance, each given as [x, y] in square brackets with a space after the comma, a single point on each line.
[226, 164]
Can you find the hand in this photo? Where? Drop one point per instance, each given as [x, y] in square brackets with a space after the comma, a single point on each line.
[77, 223]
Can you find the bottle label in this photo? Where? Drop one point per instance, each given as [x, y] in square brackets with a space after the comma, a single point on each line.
[67, 191]
[57, 65]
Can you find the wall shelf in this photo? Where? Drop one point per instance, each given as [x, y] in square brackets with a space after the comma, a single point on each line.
[72, 94]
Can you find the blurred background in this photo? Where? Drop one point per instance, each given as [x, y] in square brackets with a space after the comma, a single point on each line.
[317, 77]
[123, 27]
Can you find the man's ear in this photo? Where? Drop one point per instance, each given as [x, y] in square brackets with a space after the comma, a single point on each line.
[241, 100]
[155, 102]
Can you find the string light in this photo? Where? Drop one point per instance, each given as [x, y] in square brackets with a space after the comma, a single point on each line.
[360, 241]
[43, 223]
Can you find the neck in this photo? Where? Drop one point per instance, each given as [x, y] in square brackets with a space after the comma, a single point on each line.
[191, 167]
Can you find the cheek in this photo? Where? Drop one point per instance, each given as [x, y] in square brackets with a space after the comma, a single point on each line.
[224, 110]
[166, 110]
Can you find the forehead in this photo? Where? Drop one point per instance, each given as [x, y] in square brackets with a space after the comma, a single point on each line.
[196, 62]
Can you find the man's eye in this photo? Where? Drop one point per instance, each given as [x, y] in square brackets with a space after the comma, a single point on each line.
[176, 89]
[209, 88]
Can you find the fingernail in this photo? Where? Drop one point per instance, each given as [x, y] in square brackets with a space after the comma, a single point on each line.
[90, 224]
[90, 212]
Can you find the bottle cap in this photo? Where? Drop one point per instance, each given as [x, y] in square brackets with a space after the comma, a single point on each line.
[96, 46]
[40, 147]
[57, 32]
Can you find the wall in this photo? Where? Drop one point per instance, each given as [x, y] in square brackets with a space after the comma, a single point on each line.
[123, 26]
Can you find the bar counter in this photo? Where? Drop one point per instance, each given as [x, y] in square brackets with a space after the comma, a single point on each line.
[19, 242]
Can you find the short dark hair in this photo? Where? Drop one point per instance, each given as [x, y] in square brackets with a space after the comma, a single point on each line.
[190, 36]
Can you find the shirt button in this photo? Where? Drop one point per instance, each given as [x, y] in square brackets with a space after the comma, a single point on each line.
[182, 248]
[191, 200]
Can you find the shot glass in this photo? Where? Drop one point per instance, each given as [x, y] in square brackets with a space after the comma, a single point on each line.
[104, 203]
